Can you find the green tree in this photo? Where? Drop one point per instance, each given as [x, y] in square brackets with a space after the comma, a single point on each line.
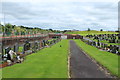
[8, 29]
[101, 29]
[88, 29]
[1, 28]
[17, 30]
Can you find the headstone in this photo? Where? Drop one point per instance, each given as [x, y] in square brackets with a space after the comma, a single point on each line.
[16, 48]
[98, 43]
[27, 46]
[94, 43]
[102, 45]
[7, 49]
[119, 36]
[111, 47]
[1, 48]
[35, 46]
[114, 49]
[44, 43]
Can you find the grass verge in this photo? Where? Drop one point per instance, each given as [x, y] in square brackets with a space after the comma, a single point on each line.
[47, 63]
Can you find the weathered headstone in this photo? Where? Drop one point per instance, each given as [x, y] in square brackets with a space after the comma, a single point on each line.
[16, 47]
[27, 46]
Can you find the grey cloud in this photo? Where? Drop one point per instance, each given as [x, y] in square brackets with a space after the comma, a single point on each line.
[65, 15]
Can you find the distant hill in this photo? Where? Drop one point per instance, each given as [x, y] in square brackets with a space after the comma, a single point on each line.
[90, 32]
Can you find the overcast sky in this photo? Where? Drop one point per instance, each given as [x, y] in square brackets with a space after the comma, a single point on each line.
[61, 14]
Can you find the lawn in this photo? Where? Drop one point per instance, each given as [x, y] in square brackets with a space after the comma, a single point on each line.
[108, 60]
[107, 42]
[84, 33]
[47, 63]
[20, 49]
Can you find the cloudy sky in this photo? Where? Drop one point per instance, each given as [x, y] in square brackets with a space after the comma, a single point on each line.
[61, 14]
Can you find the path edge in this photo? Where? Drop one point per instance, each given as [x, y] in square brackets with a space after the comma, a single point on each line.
[69, 75]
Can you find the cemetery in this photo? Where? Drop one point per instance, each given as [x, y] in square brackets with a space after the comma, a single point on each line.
[26, 50]
[107, 42]
[49, 62]
[59, 39]
[23, 47]
[37, 54]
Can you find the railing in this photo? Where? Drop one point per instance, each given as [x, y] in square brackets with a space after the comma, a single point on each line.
[24, 36]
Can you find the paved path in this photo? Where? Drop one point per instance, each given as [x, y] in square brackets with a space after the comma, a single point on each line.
[81, 66]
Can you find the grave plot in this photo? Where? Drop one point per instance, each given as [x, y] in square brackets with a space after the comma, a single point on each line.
[42, 64]
[110, 39]
[0, 52]
[22, 50]
[99, 41]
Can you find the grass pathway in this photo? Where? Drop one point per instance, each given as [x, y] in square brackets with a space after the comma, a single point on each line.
[46, 63]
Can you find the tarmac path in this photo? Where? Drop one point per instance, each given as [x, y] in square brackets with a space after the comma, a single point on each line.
[81, 66]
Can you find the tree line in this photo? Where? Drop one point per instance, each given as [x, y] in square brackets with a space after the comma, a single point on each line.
[9, 29]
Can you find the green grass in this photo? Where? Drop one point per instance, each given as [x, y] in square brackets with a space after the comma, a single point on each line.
[20, 49]
[46, 63]
[107, 42]
[108, 60]
[83, 33]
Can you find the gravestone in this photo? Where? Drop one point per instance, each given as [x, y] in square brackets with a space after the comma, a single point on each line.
[16, 47]
[119, 36]
[117, 49]
[44, 43]
[35, 46]
[94, 43]
[105, 45]
[111, 48]
[98, 43]
[27, 46]
[102, 45]
[7, 49]
[114, 49]
[1, 48]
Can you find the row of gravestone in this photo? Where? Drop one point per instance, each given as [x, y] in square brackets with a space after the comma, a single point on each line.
[36, 45]
[53, 41]
[110, 48]
[111, 38]
[104, 35]
[28, 47]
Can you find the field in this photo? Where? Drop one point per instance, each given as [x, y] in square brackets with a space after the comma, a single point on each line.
[83, 33]
[108, 60]
[47, 63]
